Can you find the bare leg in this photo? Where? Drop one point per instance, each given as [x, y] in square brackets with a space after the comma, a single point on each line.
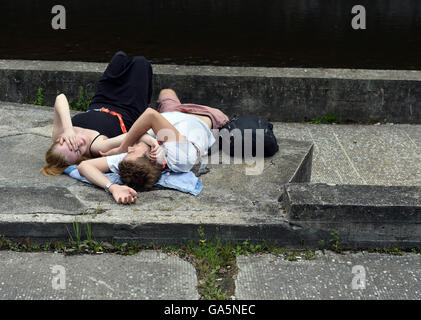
[165, 91]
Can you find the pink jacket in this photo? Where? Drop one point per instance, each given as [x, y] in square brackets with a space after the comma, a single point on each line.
[170, 103]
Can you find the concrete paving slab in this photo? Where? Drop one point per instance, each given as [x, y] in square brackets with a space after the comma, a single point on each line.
[413, 133]
[382, 154]
[24, 116]
[320, 169]
[330, 149]
[22, 157]
[38, 199]
[44, 131]
[7, 131]
[330, 277]
[148, 275]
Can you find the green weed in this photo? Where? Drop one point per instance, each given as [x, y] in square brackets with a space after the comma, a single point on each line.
[214, 260]
[327, 119]
[334, 241]
[84, 100]
[39, 101]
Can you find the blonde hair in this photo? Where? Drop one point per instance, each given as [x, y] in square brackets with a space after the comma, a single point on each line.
[56, 162]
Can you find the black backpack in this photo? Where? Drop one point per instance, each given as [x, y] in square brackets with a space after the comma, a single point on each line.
[242, 123]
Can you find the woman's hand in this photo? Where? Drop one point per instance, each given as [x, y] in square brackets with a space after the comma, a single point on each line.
[123, 194]
[69, 137]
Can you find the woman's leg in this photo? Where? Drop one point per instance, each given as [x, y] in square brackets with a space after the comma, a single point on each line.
[141, 79]
[104, 93]
[126, 84]
[167, 100]
[116, 65]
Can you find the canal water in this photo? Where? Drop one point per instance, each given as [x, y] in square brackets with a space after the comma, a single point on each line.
[279, 33]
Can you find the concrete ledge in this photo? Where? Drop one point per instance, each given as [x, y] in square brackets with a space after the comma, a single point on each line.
[361, 214]
[232, 205]
[168, 233]
[278, 94]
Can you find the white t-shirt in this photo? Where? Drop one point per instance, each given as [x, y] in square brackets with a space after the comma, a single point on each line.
[192, 128]
[114, 161]
[181, 156]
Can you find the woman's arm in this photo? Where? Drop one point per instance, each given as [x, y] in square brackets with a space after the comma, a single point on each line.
[62, 128]
[150, 119]
[94, 170]
[111, 149]
[102, 146]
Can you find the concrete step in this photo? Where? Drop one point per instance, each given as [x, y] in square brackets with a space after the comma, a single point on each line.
[277, 94]
[355, 215]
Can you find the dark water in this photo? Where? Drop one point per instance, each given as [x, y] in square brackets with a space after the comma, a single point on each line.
[283, 33]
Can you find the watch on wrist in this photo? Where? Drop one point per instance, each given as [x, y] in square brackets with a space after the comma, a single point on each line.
[107, 187]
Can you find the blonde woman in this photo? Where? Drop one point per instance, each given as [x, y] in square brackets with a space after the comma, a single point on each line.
[123, 94]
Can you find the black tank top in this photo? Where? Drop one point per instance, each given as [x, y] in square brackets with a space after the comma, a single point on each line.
[102, 122]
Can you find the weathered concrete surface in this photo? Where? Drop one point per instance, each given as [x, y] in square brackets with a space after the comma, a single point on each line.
[278, 94]
[232, 205]
[313, 202]
[330, 276]
[154, 275]
[384, 154]
[362, 215]
[230, 199]
[148, 275]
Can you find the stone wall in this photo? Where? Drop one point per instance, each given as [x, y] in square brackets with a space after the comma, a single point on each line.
[277, 94]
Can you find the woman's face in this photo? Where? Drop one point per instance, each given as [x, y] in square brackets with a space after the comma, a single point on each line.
[73, 156]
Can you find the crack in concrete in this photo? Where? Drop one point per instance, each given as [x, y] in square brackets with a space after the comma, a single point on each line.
[348, 158]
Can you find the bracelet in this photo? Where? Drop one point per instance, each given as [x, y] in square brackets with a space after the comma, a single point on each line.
[107, 187]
